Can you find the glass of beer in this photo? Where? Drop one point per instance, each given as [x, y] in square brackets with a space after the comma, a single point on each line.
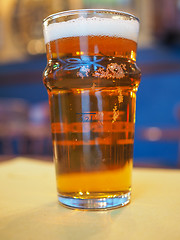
[92, 79]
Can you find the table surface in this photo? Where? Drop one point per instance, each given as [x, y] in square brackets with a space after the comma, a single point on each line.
[29, 208]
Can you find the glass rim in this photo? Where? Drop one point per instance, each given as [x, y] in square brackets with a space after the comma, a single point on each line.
[95, 10]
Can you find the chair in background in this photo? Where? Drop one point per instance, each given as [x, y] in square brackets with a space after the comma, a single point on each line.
[13, 122]
[24, 128]
[38, 131]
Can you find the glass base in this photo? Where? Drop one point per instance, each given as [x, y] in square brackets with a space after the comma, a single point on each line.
[96, 203]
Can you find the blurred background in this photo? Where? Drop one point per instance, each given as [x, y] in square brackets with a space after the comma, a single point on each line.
[24, 111]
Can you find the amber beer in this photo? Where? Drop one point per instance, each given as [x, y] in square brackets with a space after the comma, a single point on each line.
[92, 78]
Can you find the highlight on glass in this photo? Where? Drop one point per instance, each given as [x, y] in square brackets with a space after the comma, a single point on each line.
[92, 79]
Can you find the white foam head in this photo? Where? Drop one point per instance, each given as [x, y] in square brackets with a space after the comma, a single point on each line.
[95, 26]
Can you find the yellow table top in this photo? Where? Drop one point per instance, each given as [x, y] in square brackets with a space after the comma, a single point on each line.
[29, 208]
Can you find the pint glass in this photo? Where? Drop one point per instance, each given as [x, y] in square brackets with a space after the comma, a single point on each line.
[91, 79]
